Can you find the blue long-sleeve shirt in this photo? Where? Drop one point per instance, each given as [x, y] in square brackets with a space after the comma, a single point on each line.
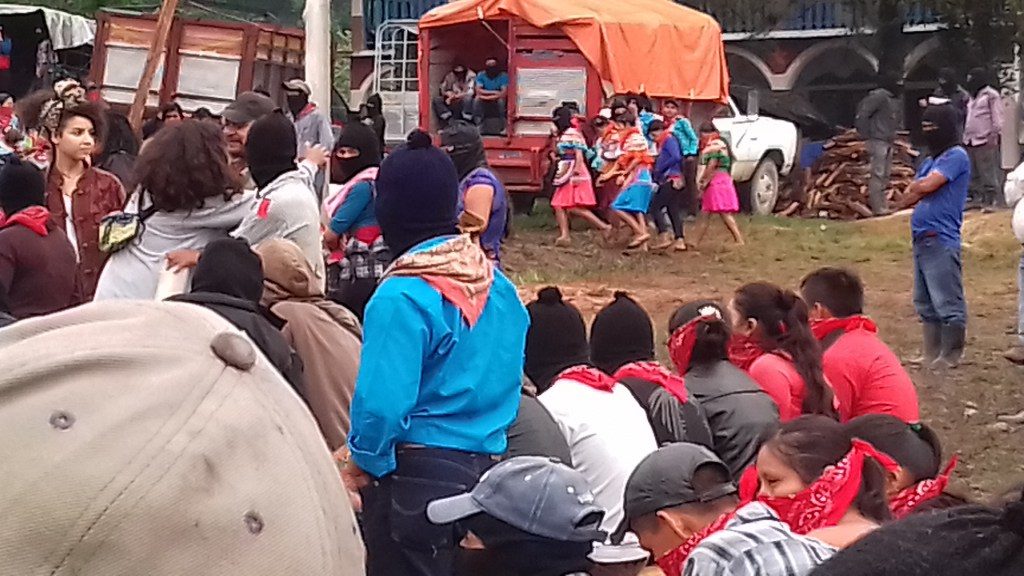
[356, 211]
[669, 163]
[688, 140]
[427, 378]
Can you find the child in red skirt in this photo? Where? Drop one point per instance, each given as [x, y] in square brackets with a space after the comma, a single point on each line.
[574, 195]
[719, 190]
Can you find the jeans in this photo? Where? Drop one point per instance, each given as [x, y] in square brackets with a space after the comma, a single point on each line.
[400, 540]
[1020, 301]
[669, 200]
[881, 167]
[488, 109]
[985, 174]
[938, 283]
[458, 110]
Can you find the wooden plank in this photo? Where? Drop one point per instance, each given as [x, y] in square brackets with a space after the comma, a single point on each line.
[163, 29]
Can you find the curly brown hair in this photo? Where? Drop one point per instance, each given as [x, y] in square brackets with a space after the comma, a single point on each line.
[183, 165]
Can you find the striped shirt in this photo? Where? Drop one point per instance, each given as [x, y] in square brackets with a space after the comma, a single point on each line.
[756, 543]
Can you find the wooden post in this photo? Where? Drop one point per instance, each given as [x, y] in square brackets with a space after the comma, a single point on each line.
[156, 49]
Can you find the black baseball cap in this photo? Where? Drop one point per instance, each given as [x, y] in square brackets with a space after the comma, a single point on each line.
[664, 479]
[248, 107]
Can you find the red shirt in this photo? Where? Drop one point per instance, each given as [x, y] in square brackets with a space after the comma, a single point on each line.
[779, 378]
[868, 378]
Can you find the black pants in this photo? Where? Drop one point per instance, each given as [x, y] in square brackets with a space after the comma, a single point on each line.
[400, 540]
[352, 294]
[670, 200]
[691, 204]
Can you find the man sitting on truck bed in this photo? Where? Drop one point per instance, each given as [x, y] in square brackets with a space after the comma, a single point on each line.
[456, 99]
[490, 94]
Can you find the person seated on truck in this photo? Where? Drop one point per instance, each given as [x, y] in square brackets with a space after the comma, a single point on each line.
[491, 92]
[456, 98]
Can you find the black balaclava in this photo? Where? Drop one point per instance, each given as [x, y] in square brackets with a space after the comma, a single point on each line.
[231, 268]
[954, 542]
[493, 71]
[976, 80]
[374, 106]
[948, 82]
[359, 137]
[21, 186]
[297, 102]
[943, 135]
[417, 194]
[562, 117]
[513, 552]
[556, 339]
[621, 333]
[271, 148]
[464, 145]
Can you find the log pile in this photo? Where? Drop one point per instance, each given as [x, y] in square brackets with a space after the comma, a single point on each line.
[838, 184]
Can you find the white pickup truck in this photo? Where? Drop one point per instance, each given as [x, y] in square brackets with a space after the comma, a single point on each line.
[765, 150]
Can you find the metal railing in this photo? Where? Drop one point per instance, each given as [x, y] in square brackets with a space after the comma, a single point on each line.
[376, 12]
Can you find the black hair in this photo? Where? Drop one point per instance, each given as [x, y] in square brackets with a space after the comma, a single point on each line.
[958, 541]
[86, 110]
[510, 551]
[837, 289]
[783, 321]
[712, 343]
[120, 137]
[810, 444]
[203, 113]
[170, 107]
[655, 125]
[627, 118]
[914, 447]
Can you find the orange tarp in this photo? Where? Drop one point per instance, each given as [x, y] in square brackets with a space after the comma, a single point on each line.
[655, 46]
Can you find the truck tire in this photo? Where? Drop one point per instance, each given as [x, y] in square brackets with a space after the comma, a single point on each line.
[759, 196]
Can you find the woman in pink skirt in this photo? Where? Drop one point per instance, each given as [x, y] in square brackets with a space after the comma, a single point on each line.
[574, 195]
[719, 191]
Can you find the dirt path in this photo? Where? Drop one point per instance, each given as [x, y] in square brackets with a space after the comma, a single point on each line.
[962, 406]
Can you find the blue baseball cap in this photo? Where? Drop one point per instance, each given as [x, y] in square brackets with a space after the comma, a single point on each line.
[537, 495]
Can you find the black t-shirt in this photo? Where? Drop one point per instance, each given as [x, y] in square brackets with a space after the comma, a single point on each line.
[535, 433]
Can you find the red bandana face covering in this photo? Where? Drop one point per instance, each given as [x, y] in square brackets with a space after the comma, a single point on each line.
[656, 373]
[590, 376]
[672, 563]
[824, 503]
[682, 341]
[822, 328]
[904, 503]
[744, 350]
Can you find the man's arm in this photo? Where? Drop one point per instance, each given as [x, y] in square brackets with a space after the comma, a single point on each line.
[995, 103]
[479, 199]
[395, 339]
[918, 189]
[867, 109]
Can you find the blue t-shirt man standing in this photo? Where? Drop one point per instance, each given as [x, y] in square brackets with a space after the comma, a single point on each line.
[940, 195]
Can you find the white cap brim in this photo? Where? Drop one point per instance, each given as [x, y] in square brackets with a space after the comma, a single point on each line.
[452, 509]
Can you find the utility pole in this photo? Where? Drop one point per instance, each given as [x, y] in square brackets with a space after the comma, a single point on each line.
[163, 28]
[317, 17]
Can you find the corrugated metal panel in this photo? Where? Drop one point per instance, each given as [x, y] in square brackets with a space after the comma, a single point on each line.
[376, 12]
[805, 15]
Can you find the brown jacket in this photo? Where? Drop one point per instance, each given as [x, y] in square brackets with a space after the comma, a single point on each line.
[98, 193]
[37, 273]
[325, 335]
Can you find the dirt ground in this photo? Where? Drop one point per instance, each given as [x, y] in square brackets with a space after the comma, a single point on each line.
[963, 406]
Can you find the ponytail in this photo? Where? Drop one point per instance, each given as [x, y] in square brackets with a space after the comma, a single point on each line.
[872, 501]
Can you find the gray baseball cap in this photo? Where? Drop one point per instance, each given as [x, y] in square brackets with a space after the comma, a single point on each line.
[665, 479]
[537, 495]
[248, 107]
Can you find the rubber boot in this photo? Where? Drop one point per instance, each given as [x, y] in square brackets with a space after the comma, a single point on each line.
[953, 340]
[931, 346]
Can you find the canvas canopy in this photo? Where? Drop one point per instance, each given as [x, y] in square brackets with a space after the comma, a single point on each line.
[65, 30]
[654, 46]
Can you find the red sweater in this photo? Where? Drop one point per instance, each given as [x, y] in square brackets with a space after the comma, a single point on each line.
[868, 378]
[779, 378]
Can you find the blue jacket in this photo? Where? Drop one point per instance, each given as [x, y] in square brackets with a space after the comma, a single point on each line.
[356, 210]
[688, 140]
[669, 163]
[427, 378]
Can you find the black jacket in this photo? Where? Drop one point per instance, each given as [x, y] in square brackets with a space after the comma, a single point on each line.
[741, 415]
[247, 316]
[671, 420]
[535, 433]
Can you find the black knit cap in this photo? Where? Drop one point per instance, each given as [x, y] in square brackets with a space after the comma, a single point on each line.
[556, 340]
[417, 194]
[229, 267]
[622, 333]
[271, 148]
[972, 540]
[21, 186]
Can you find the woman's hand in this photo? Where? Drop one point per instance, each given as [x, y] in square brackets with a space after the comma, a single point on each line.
[317, 154]
[182, 259]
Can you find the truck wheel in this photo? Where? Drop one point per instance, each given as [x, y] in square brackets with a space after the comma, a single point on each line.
[762, 192]
[522, 204]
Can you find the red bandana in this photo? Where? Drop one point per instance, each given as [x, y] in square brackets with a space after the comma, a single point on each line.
[822, 328]
[656, 373]
[672, 563]
[744, 350]
[904, 503]
[827, 500]
[590, 376]
[34, 218]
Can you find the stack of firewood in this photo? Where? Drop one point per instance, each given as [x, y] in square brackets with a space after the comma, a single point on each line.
[838, 185]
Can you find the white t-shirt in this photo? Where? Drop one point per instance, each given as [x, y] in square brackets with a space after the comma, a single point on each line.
[608, 435]
[69, 224]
